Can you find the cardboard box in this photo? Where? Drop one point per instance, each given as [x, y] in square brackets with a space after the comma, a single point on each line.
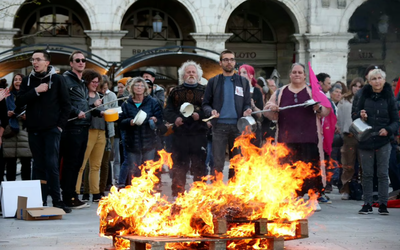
[10, 190]
[37, 213]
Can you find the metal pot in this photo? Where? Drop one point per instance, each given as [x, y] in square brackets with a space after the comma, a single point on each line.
[247, 121]
[361, 130]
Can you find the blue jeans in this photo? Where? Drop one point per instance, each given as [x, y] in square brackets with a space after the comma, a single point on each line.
[45, 147]
[130, 166]
[382, 161]
[210, 159]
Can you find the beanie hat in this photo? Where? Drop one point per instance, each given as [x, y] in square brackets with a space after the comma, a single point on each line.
[124, 80]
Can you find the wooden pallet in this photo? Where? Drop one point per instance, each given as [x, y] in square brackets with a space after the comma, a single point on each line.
[218, 241]
[158, 243]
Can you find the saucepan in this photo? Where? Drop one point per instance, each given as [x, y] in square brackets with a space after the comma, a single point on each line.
[361, 130]
[187, 109]
[140, 117]
[251, 122]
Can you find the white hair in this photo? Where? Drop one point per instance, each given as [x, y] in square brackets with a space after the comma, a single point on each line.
[181, 71]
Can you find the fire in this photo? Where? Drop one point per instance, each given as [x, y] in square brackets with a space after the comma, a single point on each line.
[262, 188]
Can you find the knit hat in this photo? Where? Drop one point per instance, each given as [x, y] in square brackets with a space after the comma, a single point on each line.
[124, 80]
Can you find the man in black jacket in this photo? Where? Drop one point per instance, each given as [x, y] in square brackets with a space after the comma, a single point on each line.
[74, 137]
[47, 109]
[189, 141]
[227, 97]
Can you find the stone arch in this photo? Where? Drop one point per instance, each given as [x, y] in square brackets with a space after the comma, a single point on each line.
[299, 20]
[8, 21]
[349, 11]
[124, 6]
[91, 14]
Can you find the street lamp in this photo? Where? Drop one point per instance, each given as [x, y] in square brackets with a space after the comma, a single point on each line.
[157, 23]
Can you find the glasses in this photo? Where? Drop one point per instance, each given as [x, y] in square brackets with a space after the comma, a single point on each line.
[36, 60]
[295, 98]
[138, 85]
[225, 60]
[78, 60]
[95, 82]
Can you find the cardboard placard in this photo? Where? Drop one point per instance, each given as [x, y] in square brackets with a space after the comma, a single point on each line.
[37, 213]
[10, 190]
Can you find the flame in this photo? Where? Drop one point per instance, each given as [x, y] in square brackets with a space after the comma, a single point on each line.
[262, 188]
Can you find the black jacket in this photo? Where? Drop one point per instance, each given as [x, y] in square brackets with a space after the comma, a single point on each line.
[45, 110]
[79, 97]
[140, 138]
[214, 95]
[176, 98]
[382, 112]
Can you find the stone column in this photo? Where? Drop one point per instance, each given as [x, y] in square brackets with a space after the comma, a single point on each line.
[328, 53]
[107, 44]
[211, 41]
[301, 44]
[6, 41]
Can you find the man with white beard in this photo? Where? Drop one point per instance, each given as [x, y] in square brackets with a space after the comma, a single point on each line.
[189, 140]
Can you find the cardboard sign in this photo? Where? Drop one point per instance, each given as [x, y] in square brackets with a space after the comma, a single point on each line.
[10, 190]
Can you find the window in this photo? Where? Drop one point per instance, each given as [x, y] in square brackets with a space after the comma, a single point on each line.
[249, 28]
[54, 21]
[140, 26]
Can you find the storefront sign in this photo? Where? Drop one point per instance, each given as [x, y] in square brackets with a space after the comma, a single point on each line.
[246, 55]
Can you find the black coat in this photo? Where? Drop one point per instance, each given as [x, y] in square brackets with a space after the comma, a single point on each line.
[382, 112]
[46, 110]
[140, 138]
[176, 98]
[79, 97]
[214, 96]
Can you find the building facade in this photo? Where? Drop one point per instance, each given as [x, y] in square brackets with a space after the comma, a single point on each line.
[338, 37]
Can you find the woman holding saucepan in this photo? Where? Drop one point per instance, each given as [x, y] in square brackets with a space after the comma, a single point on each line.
[140, 137]
[96, 139]
[378, 109]
[299, 128]
[247, 72]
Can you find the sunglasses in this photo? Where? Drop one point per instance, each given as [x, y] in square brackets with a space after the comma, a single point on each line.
[80, 60]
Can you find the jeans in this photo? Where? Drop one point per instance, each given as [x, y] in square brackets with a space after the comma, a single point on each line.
[130, 166]
[382, 161]
[72, 151]
[45, 147]
[223, 135]
[94, 153]
[105, 167]
[188, 152]
[210, 159]
[117, 159]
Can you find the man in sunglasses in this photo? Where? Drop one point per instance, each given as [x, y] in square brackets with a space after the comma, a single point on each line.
[75, 136]
[47, 109]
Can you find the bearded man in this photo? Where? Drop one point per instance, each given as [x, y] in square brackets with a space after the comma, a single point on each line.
[189, 140]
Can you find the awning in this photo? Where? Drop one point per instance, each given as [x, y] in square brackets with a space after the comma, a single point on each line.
[20, 58]
[167, 58]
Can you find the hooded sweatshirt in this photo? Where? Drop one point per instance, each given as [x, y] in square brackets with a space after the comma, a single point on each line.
[45, 110]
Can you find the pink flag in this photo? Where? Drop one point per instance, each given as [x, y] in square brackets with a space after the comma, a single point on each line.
[329, 122]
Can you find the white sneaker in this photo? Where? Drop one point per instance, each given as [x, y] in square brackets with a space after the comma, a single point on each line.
[316, 206]
[345, 196]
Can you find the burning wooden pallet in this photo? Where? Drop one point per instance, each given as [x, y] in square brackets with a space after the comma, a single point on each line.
[219, 240]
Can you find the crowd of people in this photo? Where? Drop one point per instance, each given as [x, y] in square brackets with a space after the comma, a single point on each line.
[54, 124]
